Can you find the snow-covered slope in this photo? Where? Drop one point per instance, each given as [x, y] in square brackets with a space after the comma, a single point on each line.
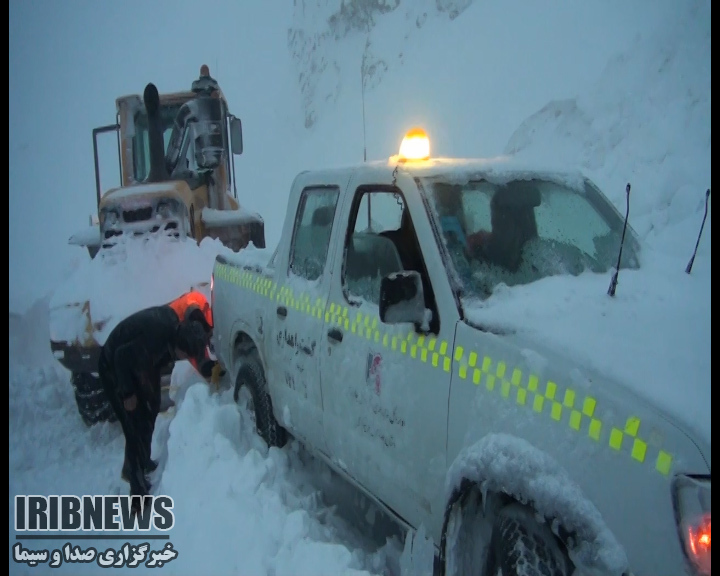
[645, 120]
[321, 31]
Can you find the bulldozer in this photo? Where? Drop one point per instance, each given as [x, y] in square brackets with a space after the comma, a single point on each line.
[176, 158]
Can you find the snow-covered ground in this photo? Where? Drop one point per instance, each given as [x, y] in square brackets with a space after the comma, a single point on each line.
[630, 106]
[239, 508]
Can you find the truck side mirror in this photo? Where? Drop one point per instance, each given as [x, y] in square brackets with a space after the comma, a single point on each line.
[236, 135]
[402, 298]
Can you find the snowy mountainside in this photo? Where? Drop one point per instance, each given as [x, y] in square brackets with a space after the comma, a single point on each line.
[321, 27]
[645, 121]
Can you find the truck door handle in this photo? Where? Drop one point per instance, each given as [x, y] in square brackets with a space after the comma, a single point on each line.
[335, 335]
[282, 311]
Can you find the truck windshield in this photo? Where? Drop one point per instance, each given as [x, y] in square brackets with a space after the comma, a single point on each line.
[521, 231]
[141, 145]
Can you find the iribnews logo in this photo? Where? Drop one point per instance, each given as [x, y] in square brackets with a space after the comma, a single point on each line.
[92, 513]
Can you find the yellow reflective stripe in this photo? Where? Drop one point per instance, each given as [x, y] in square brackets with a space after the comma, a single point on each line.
[490, 381]
[616, 438]
[550, 389]
[639, 449]
[632, 425]
[582, 412]
[663, 462]
[575, 420]
[532, 383]
[538, 403]
[505, 388]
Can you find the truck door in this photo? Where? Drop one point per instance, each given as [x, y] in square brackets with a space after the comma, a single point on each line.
[296, 316]
[386, 387]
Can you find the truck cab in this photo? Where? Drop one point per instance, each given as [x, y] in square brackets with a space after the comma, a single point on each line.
[363, 338]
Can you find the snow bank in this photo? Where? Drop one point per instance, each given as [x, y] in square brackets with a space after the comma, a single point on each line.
[221, 475]
[134, 275]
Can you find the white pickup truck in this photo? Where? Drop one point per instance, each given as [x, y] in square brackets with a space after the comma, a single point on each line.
[363, 337]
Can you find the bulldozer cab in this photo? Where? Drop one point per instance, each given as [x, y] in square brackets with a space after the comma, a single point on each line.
[176, 161]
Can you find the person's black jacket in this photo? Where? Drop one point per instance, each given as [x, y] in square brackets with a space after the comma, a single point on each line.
[140, 346]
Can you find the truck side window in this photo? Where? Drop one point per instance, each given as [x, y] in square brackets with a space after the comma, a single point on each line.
[311, 236]
[382, 239]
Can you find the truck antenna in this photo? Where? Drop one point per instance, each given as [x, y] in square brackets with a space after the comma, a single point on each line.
[688, 268]
[614, 279]
[363, 75]
[363, 118]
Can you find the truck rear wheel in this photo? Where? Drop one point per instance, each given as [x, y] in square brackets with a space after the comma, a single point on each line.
[92, 403]
[251, 376]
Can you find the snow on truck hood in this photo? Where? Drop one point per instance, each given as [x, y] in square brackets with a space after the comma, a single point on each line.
[149, 273]
[143, 189]
[653, 336]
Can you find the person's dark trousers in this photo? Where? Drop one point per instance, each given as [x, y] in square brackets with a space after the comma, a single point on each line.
[132, 425]
[151, 395]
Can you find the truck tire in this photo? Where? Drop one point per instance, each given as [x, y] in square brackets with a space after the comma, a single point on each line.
[92, 403]
[522, 546]
[251, 376]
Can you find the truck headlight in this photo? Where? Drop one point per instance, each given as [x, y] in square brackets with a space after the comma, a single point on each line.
[110, 218]
[691, 501]
[166, 209]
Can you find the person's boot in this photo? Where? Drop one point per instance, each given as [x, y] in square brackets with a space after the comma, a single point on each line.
[139, 484]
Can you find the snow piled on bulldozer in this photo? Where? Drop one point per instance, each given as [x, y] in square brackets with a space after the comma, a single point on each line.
[104, 290]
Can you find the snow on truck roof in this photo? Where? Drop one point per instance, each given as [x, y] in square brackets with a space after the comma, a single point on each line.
[497, 170]
[415, 159]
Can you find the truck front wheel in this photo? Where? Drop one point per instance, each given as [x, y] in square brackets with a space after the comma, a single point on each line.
[522, 546]
[92, 403]
[503, 540]
[251, 376]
